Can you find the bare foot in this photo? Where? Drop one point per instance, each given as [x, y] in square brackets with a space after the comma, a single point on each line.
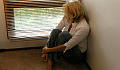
[49, 65]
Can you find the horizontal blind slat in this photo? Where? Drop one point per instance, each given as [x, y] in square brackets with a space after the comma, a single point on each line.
[52, 13]
[55, 1]
[35, 2]
[40, 6]
[17, 4]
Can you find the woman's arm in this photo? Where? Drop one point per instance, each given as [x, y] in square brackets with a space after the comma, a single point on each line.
[54, 49]
[60, 26]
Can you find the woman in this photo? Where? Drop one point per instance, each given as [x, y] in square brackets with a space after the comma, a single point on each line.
[71, 44]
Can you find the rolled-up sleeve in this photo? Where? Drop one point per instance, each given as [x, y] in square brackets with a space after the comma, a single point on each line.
[81, 34]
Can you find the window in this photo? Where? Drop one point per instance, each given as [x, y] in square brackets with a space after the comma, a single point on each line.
[32, 19]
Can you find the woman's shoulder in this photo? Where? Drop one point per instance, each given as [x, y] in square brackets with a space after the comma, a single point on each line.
[82, 24]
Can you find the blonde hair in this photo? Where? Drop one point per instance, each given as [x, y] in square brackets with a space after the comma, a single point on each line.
[74, 11]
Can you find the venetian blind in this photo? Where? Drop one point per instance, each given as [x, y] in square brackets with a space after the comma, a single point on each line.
[32, 19]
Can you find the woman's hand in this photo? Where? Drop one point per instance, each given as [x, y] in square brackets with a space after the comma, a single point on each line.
[45, 57]
[44, 50]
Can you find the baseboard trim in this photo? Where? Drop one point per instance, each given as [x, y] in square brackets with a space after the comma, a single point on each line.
[16, 49]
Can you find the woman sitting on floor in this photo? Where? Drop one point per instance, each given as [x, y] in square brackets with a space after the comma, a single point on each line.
[71, 43]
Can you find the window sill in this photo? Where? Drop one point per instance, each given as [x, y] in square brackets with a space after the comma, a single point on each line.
[26, 35]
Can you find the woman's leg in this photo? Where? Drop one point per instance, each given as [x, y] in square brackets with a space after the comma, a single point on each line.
[49, 65]
[58, 37]
[51, 42]
[63, 37]
[74, 54]
[53, 36]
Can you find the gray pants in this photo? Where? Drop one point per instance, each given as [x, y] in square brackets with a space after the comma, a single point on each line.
[57, 37]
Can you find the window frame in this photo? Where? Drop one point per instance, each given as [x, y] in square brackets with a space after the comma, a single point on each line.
[11, 27]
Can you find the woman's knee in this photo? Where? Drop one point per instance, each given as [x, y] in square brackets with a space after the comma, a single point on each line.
[56, 30]
[65, 34]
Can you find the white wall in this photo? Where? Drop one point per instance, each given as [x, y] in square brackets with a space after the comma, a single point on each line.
[104, 40]
[5, 43]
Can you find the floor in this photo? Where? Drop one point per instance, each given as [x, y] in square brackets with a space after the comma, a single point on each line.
[31, 60]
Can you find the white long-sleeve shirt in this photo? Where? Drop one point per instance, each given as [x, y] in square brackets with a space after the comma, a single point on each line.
[79, 32]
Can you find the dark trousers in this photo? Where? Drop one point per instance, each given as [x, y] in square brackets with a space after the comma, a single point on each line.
[57, 37]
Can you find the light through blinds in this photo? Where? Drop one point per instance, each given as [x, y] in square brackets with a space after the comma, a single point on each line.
[32, 19]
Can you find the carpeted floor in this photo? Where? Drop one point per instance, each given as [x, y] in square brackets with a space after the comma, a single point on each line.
[31, 60]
